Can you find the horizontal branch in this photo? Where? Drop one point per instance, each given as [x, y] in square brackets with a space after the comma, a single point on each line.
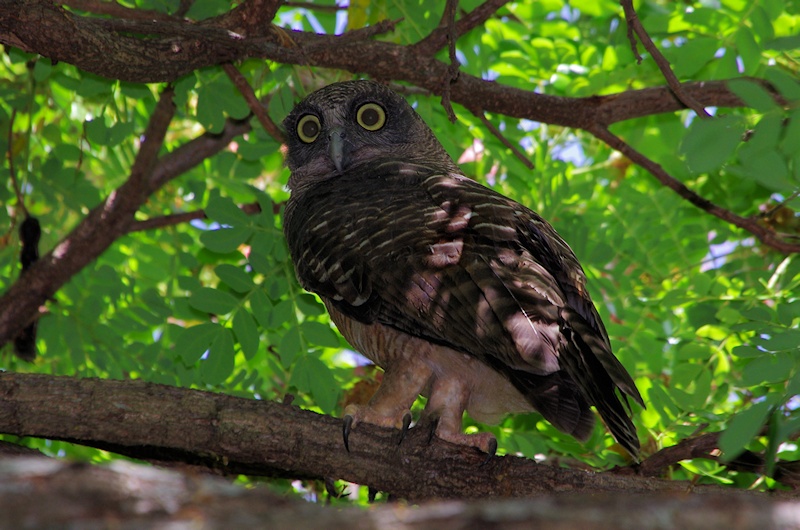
[241, 436]
[137, 496]
[87, 43]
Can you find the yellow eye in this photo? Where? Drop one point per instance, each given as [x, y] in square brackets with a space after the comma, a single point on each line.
[308, 128]
[371, 116]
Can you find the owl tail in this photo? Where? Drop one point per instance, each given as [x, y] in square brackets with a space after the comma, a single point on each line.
[601, 378]
[557, 398]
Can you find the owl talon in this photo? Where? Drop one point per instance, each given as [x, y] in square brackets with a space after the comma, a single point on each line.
[491, 450]
[404, 429]
[434, 424]
[347, 426]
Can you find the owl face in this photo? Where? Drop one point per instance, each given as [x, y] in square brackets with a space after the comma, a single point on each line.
[346, 125]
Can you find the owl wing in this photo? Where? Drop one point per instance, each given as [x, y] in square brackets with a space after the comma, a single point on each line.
[443, 258]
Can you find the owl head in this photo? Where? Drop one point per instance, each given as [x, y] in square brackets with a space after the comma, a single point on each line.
[344, 126]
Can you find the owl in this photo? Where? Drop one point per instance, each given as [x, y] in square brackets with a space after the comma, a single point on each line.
[457, 292]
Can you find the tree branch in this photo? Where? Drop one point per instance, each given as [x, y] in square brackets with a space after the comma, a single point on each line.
[636, 25]
[20, 304]
[505, 141]
[241, 436]
[184, 217]
[255, 105]
[751, 224]
[137, 496]
[440, 37]
[115, 9]
[86, 43]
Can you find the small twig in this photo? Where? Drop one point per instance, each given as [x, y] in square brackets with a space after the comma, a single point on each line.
[635, 25]
[764, 234]
[697, 447]
[438, 38]
[173, 219]
[152, 141]
[11, 169]
[367, 32]
[449, 18]
[769, 213]
[252, 101]
[114, 9]
[315, 7]
[505, 141]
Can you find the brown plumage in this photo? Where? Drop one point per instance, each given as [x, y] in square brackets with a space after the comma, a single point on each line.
[456, 291]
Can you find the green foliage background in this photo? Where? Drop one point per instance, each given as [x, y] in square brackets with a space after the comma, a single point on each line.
[703, 316]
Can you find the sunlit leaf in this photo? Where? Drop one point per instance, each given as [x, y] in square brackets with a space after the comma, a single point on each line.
[213, 301]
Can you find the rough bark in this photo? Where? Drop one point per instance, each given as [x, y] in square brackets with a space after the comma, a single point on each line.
[129, 496]
[152, 52]
[231, 435]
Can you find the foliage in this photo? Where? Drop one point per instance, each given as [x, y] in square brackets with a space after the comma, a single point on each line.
[703, 316]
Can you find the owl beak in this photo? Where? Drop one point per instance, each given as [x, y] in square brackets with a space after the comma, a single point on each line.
[336, 147]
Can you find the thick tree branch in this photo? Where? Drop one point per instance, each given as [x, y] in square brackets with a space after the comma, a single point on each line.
[136, 496]
[86, 43]
[751, 224]
[240, 436]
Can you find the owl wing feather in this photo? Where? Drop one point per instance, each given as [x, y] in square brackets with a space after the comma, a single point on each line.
[443, 258]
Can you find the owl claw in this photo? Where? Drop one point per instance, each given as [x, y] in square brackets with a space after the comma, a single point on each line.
[491, 449]
[347, 426]
[404, 429]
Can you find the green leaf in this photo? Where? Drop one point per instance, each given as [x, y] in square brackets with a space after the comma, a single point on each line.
[290, 346]
[213, 301]
[262, 308]
[753, 94]
[225, 240]
[235, 278]
[97, 132]
[748, 50]
[709, 143]
[742, 429]
[218, 365]
[767, 368]
[309, 305]
[319, 334]
[690, 58]
[42, 69]
[260, 263]
[310, 375]
[224, 211]
[782, 340]
[246, 333]
[193, 342]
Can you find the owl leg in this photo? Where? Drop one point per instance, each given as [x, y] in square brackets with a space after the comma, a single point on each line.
[391, 404]
[446, 404]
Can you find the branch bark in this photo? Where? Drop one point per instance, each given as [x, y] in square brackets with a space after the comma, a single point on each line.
[170, 426]
[135, 496]
[87, 43]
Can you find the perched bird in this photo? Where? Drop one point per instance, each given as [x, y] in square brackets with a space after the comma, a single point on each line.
[459, 293]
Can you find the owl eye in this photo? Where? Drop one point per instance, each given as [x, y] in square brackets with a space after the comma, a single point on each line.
[308, 128]
[371, 116]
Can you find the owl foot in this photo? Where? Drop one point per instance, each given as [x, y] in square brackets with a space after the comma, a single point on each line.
[485, 441]
[354, 414]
